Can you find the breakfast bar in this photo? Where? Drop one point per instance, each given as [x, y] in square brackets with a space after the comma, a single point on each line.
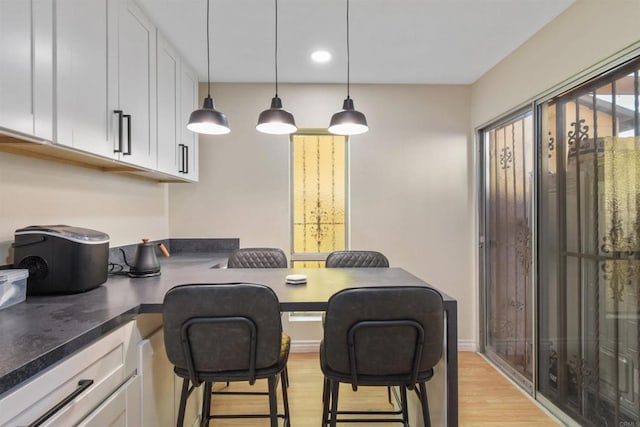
[40, 332]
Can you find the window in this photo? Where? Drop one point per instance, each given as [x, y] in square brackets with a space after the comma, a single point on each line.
[319, 197]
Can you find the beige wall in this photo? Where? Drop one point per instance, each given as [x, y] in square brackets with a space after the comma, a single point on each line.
[36, 191]
[586, 34]
[411, 194]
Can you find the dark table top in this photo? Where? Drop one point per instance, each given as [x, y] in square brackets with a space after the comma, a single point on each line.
[43, 330]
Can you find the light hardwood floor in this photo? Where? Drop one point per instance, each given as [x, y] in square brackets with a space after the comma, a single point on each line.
[486, 397]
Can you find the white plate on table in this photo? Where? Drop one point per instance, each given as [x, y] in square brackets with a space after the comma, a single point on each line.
[296, 279]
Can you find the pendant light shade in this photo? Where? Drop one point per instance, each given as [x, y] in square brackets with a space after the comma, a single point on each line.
[349, 121]
[208, 120]
[276, 120]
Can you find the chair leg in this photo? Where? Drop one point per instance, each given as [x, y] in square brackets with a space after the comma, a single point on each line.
[206, 404]
[183, 402]
[286, 377]
[325, 402]
[334, 402]
[285, 398]
[273, 402]
[425, 405]
[405, 407]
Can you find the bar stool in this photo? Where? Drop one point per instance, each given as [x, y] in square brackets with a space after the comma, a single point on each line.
[381, 336]
[346, 259]
[257, 258]
[226, 333]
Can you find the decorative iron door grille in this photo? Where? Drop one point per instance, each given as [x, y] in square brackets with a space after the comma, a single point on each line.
[508, 149]
[589, 246]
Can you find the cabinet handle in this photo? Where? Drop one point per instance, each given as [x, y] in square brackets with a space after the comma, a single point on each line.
[82, 386]
[128, 117]
[119, 149]
[186, 159]
[181, 170]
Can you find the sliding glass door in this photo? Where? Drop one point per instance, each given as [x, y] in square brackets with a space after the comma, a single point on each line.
[589, 286]
[560, 256]
[507, 224]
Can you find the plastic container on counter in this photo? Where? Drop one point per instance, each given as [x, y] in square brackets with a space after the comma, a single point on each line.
[13, 286]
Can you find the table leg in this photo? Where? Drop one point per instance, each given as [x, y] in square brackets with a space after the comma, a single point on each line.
[451, 308]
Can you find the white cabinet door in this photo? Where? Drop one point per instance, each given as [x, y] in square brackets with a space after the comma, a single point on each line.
[168, 74]
[156, 383]
[26, 87]
[188, 139]
[177, 98]
[160, 388]
[136, 83]
[83, 108]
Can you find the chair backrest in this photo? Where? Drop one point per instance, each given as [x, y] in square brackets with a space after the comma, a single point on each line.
[222, 327]
[377, 331]
[257, 258]
[345, 259]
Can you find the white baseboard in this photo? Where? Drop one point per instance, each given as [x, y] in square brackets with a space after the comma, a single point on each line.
[310, 346]
[305, 346]
[467, 345]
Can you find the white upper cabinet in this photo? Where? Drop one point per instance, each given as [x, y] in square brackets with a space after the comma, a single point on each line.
[89, 75]
[83, 108]
[26, 87]
[105, 85]
[136, 84]
[189, 140]
[177, 98]
[168, 74]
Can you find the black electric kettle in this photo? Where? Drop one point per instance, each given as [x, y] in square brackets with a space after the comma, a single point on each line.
[146, 262]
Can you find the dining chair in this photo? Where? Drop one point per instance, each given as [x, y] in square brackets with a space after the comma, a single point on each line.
[226, 333]
[257, 258]
[381, 336]
[346, 259]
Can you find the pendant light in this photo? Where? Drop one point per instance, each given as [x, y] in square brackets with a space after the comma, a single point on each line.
[208, 120]
[276, 120]
[349, 121]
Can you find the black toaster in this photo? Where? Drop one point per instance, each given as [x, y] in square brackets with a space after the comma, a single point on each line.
[61, 259]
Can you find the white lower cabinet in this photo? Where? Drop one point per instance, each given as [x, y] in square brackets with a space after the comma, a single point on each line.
[123, 379]
[67, 393]
[160, 388]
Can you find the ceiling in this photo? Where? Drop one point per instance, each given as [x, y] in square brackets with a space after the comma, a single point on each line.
[391, 41]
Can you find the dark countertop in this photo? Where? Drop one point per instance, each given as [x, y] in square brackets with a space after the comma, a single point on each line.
[43, 330]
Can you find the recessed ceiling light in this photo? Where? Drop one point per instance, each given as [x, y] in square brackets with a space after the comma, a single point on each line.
[321, 56]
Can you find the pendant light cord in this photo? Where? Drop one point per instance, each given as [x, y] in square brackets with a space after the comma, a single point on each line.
[348, 66]
[208, 60]
[276, 49]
